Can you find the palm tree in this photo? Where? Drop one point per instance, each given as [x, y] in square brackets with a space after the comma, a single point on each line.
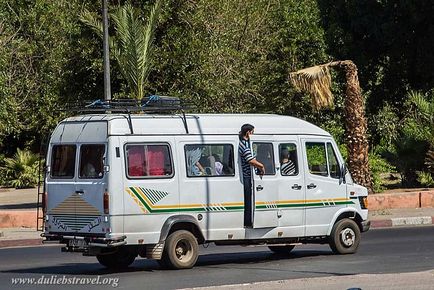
[317, 82]
[132, 44]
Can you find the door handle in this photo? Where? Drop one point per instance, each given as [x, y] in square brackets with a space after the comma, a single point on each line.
[310, 186]
[296, 187]
[79, 192]
[259, 188]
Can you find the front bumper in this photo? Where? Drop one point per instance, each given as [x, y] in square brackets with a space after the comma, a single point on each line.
[366, 225]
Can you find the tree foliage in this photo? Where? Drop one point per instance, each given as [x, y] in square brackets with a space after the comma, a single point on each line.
[225, 56]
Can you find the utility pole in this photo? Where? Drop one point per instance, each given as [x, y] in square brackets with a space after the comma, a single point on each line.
[107, 89]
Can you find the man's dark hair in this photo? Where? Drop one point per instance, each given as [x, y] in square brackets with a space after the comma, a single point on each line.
[244, 129]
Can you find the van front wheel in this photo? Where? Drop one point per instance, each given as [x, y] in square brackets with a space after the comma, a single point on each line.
[345, 237]
[181, 250]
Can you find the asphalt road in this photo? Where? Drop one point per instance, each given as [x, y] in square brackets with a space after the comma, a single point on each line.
[394, 250]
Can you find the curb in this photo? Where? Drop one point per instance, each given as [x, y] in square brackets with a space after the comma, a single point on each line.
[403, 221]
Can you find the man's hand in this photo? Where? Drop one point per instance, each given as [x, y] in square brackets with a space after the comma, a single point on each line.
[255, 163]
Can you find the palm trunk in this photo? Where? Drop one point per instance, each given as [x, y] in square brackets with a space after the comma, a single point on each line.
[355, 126]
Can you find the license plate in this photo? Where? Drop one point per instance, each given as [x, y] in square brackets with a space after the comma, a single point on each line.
[77, 243]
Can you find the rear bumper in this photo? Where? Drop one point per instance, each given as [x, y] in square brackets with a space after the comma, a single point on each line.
[366, 225]
[80, 243]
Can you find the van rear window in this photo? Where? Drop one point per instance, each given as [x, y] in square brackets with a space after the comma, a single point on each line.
[91, 161]
[148, 160]
[63, 161]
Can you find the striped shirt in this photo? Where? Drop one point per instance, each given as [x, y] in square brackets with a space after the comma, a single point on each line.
[246, 155]
[288, 168]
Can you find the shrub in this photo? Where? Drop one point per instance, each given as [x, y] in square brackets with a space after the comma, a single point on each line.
[425, 178]
[378, 165]
[21, 171]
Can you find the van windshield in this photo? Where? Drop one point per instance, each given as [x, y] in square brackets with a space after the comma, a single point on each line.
[63, 161]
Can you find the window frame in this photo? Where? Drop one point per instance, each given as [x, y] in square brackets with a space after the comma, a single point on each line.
[326, 157]
[297, 165]
[209, 144]
[52, 160]
[79, 162]
[272, 153]
[152, 176]
[328, 161]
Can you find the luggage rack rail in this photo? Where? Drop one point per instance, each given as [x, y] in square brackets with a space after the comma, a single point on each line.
[150, 105]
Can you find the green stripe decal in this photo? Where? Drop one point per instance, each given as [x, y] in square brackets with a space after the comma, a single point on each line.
[153, 194]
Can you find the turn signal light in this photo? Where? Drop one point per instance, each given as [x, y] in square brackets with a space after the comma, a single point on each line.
[363, 202]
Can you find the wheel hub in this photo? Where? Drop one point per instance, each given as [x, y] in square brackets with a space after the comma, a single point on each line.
[348, 237]
[182, 250]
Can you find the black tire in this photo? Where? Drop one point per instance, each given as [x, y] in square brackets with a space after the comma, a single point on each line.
[120, 259]
[181, 250]
[345, 237]
[281, 250]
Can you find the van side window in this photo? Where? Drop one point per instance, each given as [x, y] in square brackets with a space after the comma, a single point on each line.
[63, 161]
[264, 154]
[333, 162]
[91, 161]
[148, 160]
[316, 158]
[288, 159]
[209, 160]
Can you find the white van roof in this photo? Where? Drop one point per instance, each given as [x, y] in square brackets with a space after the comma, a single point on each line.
[149, 124]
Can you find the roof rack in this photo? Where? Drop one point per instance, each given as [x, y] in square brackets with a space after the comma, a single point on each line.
[151, 104]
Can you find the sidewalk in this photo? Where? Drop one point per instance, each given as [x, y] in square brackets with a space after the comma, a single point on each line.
[403, 208]
[19, 237]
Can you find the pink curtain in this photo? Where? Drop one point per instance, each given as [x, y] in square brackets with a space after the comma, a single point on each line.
[136, 161]
[155, 159]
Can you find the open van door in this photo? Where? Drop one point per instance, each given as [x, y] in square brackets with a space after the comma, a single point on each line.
[265, 187]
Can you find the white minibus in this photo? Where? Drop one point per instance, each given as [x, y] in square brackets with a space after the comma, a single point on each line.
[119, 186]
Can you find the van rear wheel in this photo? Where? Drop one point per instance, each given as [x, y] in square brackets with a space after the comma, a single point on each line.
[345, 237]
[282, 250]
[120, 259]
[181, 250]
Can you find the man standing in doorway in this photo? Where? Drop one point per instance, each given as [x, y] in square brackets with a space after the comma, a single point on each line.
[247, 161]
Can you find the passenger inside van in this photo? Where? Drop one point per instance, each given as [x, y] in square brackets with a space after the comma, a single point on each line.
[194, 165]
[91, 161]
[287, 166]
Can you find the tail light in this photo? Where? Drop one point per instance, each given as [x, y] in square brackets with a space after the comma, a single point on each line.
[106, 202]
[44, 202]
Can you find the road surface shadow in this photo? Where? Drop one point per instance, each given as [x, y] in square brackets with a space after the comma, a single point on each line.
[217, 259]
[255, 257]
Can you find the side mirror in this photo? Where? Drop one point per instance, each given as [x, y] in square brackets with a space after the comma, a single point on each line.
[342, 173]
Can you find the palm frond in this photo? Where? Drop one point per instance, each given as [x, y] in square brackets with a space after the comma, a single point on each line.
[132, 45]
[315, 81]
[92, 21]
[147, 39]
